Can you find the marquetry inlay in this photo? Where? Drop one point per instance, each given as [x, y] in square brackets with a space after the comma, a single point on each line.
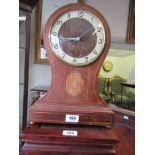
[74, 84]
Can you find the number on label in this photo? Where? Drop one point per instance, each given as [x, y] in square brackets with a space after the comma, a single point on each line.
[72, 118]
[70, 133]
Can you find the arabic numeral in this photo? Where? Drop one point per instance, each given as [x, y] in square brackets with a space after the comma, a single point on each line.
[56, 46]
[74, 61]
[81, 14]
[68, 15]
[98, 29]
[72, 118]
[63, 56]
[86, 59]
[59, 22]
[54, 33]
[100, 41]
[70, 133]
[95, 52]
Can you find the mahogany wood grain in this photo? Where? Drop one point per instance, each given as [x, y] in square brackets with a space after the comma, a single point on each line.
[88, 115]
[57, 95]
[47, 139]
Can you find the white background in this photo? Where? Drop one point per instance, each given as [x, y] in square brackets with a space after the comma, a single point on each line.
[145, 77]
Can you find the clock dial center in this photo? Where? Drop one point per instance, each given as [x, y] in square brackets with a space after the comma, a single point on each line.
[76, 37]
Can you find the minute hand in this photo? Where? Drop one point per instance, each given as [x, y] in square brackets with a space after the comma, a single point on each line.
[85, 33]
[76, 38]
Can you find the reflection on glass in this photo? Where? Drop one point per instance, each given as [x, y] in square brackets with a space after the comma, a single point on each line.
[43, 52]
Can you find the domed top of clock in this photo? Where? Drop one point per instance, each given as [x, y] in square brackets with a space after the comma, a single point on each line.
[77, 34]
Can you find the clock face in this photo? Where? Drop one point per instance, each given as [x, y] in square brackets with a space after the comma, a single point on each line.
[77, 37]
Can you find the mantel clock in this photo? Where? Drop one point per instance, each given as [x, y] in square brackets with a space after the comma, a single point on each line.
[77, 40]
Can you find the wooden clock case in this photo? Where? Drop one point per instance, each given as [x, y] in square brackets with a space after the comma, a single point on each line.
[58, 101]
[47, 115]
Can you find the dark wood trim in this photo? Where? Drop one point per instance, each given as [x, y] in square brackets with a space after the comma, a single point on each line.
[131, 23]
[25, 7]
[26, 68]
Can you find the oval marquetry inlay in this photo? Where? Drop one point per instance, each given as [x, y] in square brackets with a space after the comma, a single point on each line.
[74, 84]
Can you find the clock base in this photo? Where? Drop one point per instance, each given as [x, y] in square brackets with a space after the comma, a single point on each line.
[81, 114]
[51, 140]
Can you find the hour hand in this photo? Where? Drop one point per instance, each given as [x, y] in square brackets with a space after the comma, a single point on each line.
[70, 39]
